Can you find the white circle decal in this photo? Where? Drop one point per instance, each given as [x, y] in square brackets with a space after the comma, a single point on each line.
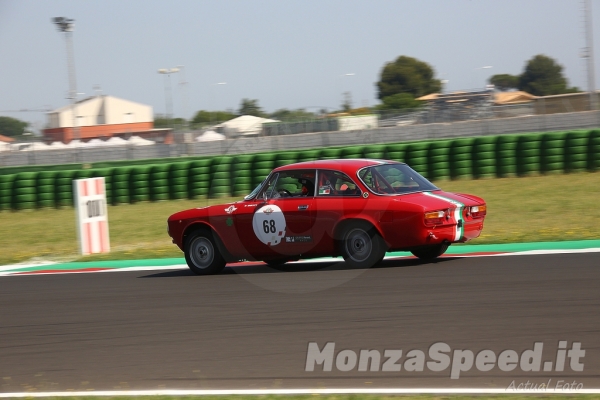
[269, 225]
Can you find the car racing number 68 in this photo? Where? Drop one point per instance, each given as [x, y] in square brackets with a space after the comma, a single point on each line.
[269, 225]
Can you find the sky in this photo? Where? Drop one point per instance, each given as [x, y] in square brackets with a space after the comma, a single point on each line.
[284, 53]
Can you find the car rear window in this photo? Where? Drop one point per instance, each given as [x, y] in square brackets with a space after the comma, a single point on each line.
[394, 179]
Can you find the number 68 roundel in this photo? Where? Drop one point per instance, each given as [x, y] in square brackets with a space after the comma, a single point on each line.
[269, 225]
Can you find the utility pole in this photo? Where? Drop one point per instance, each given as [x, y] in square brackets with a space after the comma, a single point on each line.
[184, 93]
[65, 25]
[589, 52]
[168, 95]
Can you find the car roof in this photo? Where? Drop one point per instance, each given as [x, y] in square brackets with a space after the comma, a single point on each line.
[348, 165]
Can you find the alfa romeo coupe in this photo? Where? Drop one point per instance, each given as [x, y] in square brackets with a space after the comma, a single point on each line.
[355, 208]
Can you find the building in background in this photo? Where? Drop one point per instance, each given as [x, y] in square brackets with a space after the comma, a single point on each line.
[6, 139]
[102, 117]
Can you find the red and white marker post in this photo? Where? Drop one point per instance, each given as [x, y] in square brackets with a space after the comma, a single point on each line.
[92, 217]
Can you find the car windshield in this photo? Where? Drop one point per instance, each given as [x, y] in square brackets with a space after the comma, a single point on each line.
[394, 179]
[254, 192]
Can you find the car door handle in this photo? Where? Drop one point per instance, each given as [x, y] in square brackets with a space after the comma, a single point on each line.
[303, 207]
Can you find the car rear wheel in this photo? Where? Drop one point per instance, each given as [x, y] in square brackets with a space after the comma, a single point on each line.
[202, 254]
[362, 246]
[430, 252]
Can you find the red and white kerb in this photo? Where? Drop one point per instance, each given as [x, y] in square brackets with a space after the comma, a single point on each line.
[92, 218]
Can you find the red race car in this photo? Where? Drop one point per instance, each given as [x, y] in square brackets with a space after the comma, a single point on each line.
[358, 208]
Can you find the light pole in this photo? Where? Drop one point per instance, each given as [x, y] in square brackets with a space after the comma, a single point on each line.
[215, 94]
[348, 101]
[65, 25]
[484, 67]
[184, 93]
[168, 97]
[589, 53]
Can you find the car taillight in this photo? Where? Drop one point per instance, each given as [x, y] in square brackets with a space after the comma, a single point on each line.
[433, 218]
[478, 211]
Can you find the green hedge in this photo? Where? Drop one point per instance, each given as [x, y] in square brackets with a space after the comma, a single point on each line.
[193, 177]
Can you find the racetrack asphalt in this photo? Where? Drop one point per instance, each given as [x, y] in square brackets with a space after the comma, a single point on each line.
[249, 328]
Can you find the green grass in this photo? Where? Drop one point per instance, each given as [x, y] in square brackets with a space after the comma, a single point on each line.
[528, 209]
[536, 208]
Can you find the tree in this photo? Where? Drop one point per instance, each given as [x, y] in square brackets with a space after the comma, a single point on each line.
[407, 75]
[284, 114]
[505, 81]
[251, 107]
[399, 101]
[160, 121]
[210, 117]
[12, 127]
[543, 77]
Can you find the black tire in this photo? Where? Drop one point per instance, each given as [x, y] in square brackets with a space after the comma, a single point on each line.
[431, 251]
[202, 254]
[362, 246]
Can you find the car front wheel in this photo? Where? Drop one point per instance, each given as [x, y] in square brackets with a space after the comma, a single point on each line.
[431, 251]
[362, 246]
[202, 254]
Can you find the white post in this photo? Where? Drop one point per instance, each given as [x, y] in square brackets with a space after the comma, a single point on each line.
[92, 217]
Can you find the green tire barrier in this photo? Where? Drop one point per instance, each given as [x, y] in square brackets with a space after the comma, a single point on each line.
[262, 164]
[376, 152]
[178, 178]
[221, 179]
[139, 183]
[241, 171]
[159, 182]
[331, 154]
[120, 186]
[200, 177]
[351, 152]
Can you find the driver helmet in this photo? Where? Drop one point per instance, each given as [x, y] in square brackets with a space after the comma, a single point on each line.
[308, 188]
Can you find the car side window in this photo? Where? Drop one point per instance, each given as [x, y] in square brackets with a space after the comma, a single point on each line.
[336, 183]
[292, 183]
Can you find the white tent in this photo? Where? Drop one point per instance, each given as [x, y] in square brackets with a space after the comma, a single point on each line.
[116, 141]
[57, 146]
[210, 136]
[18, 146]
[244, 125]
[138, 141]
[75, 144]
[95, 143]
[36, 146]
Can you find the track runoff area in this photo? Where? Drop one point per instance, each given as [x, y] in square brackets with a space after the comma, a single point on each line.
[326, 357]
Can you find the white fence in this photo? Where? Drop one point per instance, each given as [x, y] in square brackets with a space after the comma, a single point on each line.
[491, 126]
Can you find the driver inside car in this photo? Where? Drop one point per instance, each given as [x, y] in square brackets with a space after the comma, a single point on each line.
[308, 188]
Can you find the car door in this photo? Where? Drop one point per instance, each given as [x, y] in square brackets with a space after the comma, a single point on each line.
[337, 197]
[279, 222]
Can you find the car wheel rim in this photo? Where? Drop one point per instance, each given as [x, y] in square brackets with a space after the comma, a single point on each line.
[202, 252]
[358, 245]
